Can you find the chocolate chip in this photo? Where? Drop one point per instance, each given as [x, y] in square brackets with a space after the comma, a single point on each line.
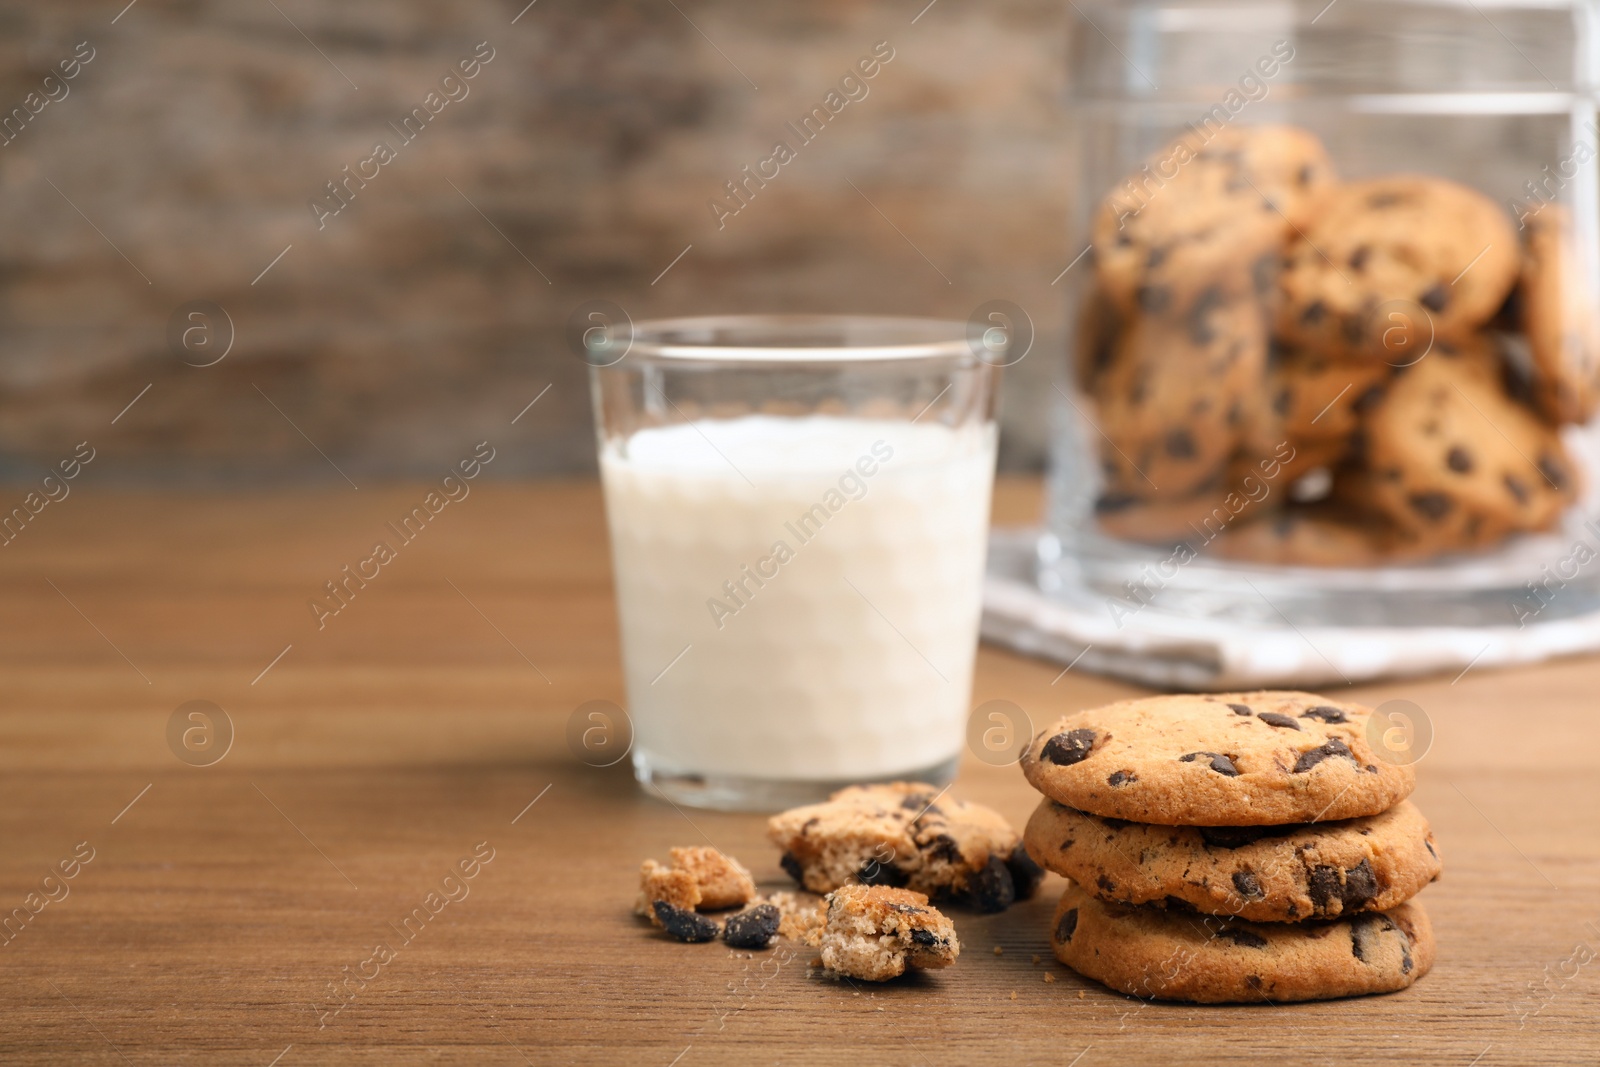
[1219, 763]
[1325, 712]
[1432, 505]
[943, 847]
[1180, 444]
[684, 924]
[1244, 880]
[1360, 885]
[1383, 200]
[926, 938]
[1155, 258]
[1065, 749]
[1283, 722]
[1025, 874]
[1114, 824]
[1264, 273]
[1244, 938]
[1459, 460]
[1333, 747]
[916, 801]
[1354, 328]
[1367, 400]
[1068, 924]
[1431, 852]
[1516, 488]
[752, 928]
[1358, 258]
[1201, 332]
[873, 872]
[1307, 172]
[1437, 298]
[1153, 299]
[1282, 402]
[1106, 885]
[792, 867]
[1121, 778]
[1241, 709]
[991, 889]
[1552, 470]
[1324, 886]
[1172, 903]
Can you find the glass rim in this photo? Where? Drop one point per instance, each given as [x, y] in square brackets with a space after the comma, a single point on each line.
[757, 338]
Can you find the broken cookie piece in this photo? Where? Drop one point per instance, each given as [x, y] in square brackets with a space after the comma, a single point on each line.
[698, 878]
[875, 932]
[657, 883]
[906, 835]
[724, 882]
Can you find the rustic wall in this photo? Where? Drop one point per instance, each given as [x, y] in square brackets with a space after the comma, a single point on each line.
[180, 159]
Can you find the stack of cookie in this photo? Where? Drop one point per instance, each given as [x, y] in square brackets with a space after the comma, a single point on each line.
[1291, 369]
[1230, 848]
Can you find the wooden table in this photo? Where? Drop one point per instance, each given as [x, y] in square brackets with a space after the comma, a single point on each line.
[222, 903]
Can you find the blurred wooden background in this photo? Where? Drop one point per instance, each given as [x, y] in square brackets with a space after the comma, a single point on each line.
[427, 313]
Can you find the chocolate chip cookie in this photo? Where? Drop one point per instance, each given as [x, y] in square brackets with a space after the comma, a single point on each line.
[1451, 457]
[1317, 399]
[1172, 404]
[1170, 955]
[1260, 873]
[906, 834]
[876, 932]
[1559, 319]
[1234, 759]
[1402, 253]
[1209, 209]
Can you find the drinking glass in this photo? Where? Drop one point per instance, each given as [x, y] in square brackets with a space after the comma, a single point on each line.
[798, 508]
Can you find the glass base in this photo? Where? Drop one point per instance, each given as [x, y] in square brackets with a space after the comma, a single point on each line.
[725, 792]
[1541, 578]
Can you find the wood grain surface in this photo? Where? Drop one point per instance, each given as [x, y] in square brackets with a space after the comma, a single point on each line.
[223, 905]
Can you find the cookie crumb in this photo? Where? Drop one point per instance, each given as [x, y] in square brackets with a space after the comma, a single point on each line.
[800, 915]
[1048, 977]
[1036, 960]
[1013, 994]
[998, 951]
[1082, 995]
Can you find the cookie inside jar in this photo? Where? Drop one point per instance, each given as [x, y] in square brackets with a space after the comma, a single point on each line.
[1284, 366]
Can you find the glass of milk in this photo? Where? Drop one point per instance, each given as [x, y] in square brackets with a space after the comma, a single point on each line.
[798, 508]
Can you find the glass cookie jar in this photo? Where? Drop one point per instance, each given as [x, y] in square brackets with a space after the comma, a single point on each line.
[1334, 348]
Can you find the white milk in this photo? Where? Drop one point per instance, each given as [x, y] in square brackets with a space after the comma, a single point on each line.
[825, 576]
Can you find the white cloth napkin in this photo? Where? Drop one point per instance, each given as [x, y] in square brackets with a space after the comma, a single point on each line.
[1172, 652]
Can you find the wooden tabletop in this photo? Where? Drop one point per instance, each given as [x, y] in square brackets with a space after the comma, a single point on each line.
[213, 912]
